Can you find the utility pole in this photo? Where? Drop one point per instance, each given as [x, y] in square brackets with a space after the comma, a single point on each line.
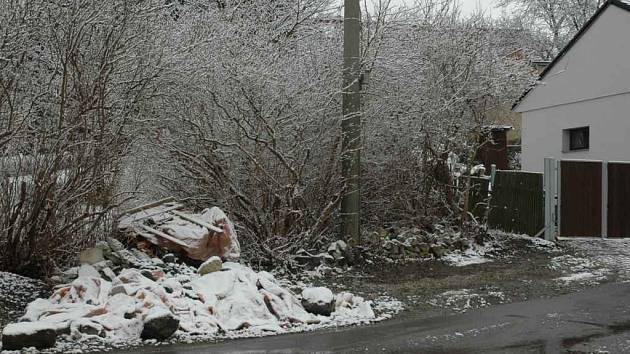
[351, 123]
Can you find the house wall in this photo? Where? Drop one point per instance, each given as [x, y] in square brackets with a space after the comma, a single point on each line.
[597, 65]
[609, 122]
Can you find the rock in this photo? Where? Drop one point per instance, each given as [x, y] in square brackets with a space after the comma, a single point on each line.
[338, 250]
[143, 257]
[318, 301]
[462, 244]
[159, 324]
[115, 245]
[424, 250]
[87, 270]
[85, 326]
[128, 259]
[108, 274]
[40, 335]
[91, 256]
[102, 265]
[214, 264]
[154, 275]
[438, 251]
[169, 258]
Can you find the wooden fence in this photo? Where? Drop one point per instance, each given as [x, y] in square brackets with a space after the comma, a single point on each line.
[517, 202]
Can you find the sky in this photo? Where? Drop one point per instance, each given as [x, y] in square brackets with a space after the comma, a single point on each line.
[468, 6]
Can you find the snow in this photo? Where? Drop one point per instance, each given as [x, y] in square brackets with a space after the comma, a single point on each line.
[26, 328]
[474, 255]
[235, 302]
[318, 295]
[580, 277]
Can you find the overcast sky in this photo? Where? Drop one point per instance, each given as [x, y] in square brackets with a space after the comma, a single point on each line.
[468, 6]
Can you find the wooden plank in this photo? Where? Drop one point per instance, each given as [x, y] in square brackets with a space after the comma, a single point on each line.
[148, 206]
[197, 221]
[618, 199]
[129, 220]
[164, 235]
[581, 199]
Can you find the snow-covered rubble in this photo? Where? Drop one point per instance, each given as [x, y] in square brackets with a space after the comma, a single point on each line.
[160, 299]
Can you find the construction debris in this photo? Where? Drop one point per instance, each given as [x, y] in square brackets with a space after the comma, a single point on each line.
[196, 236]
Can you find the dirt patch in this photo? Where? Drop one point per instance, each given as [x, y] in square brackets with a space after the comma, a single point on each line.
[520, 269]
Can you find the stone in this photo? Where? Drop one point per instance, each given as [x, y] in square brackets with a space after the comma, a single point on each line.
[108, 274]
[87, 270]
[318, 301]
[91, 256]
[169, 258]
[424, 250]
[438, 251]
[40, 335]
[214, 264]
[159, 324]
[102, 265]
[85, 326]
[462, 244]
[143, 257]
[128, 259]
[115, 245]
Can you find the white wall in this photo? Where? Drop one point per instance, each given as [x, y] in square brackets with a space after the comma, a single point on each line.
[597, 65]
[609, 122]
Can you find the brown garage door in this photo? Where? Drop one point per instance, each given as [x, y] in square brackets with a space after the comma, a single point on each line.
[618, 199]
[581, 199]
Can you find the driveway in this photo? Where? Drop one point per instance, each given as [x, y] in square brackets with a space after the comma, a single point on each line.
[594, 320]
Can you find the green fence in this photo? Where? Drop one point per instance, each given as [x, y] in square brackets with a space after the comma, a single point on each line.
[517, 203]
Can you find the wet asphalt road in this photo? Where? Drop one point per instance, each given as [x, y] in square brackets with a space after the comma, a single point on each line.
[595, 320]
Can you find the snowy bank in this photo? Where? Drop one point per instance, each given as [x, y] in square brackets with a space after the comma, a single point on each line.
[160, 300]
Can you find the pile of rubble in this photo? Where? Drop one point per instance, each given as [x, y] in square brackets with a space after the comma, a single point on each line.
[414, 243]
[122, 294]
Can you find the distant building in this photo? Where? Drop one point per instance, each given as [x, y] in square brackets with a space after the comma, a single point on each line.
[580, 108]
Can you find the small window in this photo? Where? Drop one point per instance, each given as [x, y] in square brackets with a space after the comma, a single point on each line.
[579, 138]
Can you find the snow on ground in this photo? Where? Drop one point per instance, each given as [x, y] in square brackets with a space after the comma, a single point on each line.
[579, 269]
[236, 302]
[466, 299]
[611, 255]
[15, 293]
[474, 255]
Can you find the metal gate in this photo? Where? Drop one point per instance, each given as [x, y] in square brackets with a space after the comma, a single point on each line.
[580, 198]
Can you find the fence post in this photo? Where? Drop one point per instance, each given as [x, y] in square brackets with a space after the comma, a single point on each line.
[604, 199]
[550, 180]
[493, 175]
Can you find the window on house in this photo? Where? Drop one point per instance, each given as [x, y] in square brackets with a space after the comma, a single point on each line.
[578, 138]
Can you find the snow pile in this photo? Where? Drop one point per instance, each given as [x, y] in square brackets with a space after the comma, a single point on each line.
[234, 299]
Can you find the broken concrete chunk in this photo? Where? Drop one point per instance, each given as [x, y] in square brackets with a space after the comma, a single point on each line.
[91, 256]
[214, 264]
[318, 301]
[40, 335]
[159, 324]
[87, 270]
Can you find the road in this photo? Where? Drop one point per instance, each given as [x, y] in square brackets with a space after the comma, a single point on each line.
[595, 320]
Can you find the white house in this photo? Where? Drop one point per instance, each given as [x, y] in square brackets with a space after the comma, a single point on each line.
[580, 108]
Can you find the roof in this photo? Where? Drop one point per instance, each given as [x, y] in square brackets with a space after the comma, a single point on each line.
[623, 4]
